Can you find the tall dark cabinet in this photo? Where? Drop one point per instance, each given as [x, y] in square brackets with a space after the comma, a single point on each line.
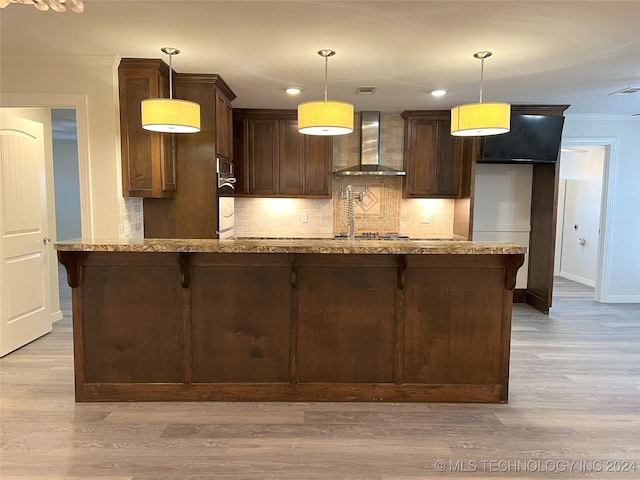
[542, 236]
[193, 212]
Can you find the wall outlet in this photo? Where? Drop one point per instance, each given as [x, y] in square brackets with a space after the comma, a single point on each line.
[424, 218]
[304, 218]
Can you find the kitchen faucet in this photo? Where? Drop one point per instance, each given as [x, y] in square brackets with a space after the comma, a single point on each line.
[351, 210]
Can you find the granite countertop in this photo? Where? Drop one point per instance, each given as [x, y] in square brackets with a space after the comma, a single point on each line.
[300, 245]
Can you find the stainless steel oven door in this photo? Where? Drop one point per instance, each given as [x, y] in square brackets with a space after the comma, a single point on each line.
[225, 218]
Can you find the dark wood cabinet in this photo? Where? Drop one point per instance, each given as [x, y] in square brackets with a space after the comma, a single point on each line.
[433, 158]
[193, 213]
[542, 236]
[148, 158]
[224, 125]
[273, 159]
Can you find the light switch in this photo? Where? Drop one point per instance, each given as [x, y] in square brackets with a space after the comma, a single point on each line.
[425, 218]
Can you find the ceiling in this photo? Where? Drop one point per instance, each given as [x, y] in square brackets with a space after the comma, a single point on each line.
[556, 52]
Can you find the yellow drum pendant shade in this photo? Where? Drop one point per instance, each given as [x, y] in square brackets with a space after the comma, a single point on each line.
[479, 119]
[325, 118]
[170, 115]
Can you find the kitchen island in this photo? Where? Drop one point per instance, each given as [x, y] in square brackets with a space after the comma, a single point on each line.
[291, 320]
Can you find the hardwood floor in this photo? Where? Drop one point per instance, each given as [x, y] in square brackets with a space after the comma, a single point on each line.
[574, 397]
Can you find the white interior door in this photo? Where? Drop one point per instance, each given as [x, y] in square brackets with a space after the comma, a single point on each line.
[25, 301]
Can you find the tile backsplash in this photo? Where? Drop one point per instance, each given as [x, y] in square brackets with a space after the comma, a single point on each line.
[283, 217]
[130, 218]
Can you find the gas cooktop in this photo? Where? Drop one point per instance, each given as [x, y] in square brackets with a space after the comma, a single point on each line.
[375, 236]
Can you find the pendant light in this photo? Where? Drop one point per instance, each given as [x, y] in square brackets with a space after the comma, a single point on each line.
[480, 119]
[169, 115]
[325, 117]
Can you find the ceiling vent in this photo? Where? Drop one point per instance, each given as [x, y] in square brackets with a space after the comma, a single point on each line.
[366, 90]
[626, 90]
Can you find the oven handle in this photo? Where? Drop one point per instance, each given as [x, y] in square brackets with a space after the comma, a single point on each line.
[226, 182]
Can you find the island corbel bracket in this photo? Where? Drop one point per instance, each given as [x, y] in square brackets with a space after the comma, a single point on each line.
[512, 264]
[73, 266]
[185, 269]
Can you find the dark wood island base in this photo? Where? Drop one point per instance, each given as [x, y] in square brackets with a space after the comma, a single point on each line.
[291, 326]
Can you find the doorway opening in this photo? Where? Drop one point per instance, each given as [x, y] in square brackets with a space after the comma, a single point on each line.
[583, 197]
[66, 179]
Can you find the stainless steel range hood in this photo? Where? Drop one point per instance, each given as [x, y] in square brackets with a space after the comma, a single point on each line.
[369, 149]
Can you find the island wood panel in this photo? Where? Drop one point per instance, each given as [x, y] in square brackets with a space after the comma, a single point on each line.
[131, 325]
[453, 323]
[291, 327]
[240, 318]
[346, 318]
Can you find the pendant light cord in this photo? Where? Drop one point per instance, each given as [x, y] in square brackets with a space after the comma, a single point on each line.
[171, 52]
[481, 76]
[326, 66]
[171, 81]
[481, 56]
[326, 54]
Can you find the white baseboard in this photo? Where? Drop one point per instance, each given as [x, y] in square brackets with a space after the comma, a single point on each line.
[55, 316]
[576, 278]
[622, 299]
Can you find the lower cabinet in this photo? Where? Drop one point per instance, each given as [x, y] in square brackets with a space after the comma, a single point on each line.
[272, 159]
[283, 327]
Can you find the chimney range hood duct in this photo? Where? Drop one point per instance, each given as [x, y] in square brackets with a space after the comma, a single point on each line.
[369, 149]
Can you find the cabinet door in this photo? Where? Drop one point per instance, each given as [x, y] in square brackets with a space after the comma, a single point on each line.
[433, 159]
[448, 161]
[148, 158]
[262, 155]
[291, 155]
[318, 154]
[420, 152]
[224, 127]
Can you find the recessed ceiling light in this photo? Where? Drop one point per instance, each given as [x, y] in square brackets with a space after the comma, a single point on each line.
[293, 90]
[441, 92]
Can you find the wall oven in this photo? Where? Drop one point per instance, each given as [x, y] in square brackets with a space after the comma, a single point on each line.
[226, 189]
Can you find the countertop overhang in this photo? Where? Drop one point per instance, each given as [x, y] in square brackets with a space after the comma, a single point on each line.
[296, 246]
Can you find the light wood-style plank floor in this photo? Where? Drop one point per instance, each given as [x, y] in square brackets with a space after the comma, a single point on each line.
[574, 412]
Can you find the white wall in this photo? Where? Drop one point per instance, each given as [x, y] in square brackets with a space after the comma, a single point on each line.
[502, 207]
[621, 238]
[95, 77]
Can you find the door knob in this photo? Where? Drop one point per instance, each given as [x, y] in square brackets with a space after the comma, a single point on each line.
[46, 240]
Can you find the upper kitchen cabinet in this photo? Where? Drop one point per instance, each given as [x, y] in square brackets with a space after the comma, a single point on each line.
[273, 159]
[434, 159]
[148, 158]
[224, 122]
